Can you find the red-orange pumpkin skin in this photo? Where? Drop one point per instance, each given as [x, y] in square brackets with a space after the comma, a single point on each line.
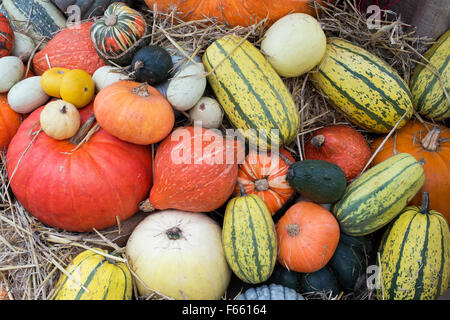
[6, 37]
[3, 294]
[234, 12]
[189, 176]
[265, 175]
[307, 236]
[341, 145]
[9, 122]
[78, 190]
[133, 112]
[71, 48]
[410, 139]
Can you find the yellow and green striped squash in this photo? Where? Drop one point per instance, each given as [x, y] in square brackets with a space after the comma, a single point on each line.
[426, 88]
[249, 239]
[377, 196]
[415, 256]
[253, 95]
[99, 279]
[369, 92]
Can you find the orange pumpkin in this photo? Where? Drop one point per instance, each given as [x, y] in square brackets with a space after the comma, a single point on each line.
[307, 236]
[234, 12]
[9, 122]
[433, 148]
[264, 174]
[134, 112]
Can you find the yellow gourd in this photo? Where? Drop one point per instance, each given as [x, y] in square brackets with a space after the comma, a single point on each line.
[77, 87]
[51, 81]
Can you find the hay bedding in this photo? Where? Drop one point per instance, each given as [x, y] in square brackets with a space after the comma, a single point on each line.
[33, 255]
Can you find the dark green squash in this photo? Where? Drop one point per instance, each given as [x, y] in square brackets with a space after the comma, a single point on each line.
[284, 277]
[318, 180]
[322, 281]
[88, 8]
[152, 64]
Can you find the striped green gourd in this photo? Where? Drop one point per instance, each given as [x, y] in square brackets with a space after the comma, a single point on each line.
[251, 92]
[249, 238]
[94, 277]
[379, 195]
[367, 90]
[426, 86]
[415, 255]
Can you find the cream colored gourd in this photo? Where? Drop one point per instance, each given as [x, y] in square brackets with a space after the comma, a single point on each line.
[207, 111]
[179, 254]
[60, 119]
[187, 87]
[27, 95]
[11, 71]
[23, 46]
[106, 75]
[294, 45]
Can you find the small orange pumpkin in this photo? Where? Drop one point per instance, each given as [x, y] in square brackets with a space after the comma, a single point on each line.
[134, 112]
[264, 174]
[308, 235]
[431, 146]
[9, 122]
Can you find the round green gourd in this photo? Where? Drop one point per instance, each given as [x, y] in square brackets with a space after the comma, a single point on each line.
[323, 281]
[152, 64]
[284, 277]
[270, 292]
[318, 180]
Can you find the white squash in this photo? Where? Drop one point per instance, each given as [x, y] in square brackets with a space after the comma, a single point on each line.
[106, 75]
[187, 87]
[180, 255]
[11, 71]
[208, 111]
[60, 119]
[294, 44]
[27, 95]
[23, 46]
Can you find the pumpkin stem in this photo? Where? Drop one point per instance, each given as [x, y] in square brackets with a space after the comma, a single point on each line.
[146, 206]
[174, 233]
[111, 20]
[425, 203]
[318, 141]
[293, 229]
[83, 130]
[141, 90]
[261, 185]
[431, 140]
[138, 65]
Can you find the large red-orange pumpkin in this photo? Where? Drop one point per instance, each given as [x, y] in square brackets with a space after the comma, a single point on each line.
[234, 12]
[264, 174]
[195, 170]
[77, 190]
[9, 122]
[308, 235]
[134, 112]
[341, 145]
[71, 48]
[432, 147]
[6, 37]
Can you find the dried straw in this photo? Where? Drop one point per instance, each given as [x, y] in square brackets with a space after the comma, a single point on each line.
[33, 256]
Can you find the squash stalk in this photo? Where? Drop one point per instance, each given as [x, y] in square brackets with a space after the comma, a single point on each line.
[425, 203]
[431, 140]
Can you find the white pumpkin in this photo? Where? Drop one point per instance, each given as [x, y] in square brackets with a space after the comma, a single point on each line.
[180, 255]
[187, 87]
[106, 75]
[23, 46]
[27, 95]
[294, 44]
[11, 71]
[60, 119]
[207, 111]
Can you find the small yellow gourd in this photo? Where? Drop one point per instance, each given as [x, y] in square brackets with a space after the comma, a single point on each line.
[60, 119]
[51, 81]
[77, 87]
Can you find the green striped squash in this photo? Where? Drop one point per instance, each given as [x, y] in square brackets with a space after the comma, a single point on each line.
[369, 92]
[249, 238]
[415, 255]
[426, 88]
[251, 92]
[40, 19]
[93, 277]
[379, 195]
